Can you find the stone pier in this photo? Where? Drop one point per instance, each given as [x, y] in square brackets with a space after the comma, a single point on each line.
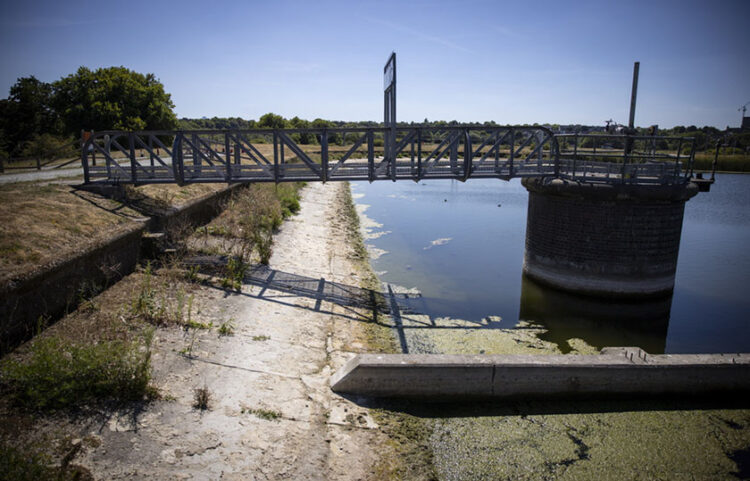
[604, 239]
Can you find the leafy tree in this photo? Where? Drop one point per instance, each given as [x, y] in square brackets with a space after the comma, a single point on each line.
[26, 112]
[47, 147]
[272, 121]
[303, 138]
[112, 98]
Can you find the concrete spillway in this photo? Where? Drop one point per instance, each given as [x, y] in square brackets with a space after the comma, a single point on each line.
[615, 371]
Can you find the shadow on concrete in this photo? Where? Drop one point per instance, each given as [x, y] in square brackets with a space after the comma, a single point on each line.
[359, 304]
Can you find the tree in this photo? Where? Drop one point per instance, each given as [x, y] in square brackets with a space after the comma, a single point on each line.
[27, 112]
[271, 121]
[113, 98]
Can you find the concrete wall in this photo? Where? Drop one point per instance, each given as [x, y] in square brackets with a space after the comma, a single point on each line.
[616, 371]
[599, 239]
[52, 290]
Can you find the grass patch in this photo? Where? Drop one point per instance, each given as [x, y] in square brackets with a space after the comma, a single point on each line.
[726, 163]
[261, 338]
[28, 464]
[267, 414]
[163, 304]
[61, 374]
[226, 328]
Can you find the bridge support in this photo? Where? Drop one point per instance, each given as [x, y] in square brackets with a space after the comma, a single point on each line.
[610, 240]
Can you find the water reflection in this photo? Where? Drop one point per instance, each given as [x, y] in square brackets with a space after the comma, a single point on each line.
[599, 322]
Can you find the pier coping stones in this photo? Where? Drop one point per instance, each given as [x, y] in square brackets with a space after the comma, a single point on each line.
[611, 192]
[622, 370]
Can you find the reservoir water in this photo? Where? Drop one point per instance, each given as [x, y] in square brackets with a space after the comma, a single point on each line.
[461, 246]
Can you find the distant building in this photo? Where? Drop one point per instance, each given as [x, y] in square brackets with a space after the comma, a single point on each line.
[745, 123]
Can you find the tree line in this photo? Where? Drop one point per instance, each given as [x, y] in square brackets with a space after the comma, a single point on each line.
[40, 118]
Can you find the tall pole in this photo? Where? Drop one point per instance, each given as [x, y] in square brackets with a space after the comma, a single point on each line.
[633, 94]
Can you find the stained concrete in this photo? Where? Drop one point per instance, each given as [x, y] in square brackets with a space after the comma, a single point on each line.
[615, 371]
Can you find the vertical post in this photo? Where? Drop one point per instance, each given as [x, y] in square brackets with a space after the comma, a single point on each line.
[227, 157]
[691, 161]
[277, 173]
[197, 162]
[133, 169]
[512, 151]
[716, 160]
[555, 156]
[468, 154]
[177, 159]
[497, 150]
[540, 151]
[419, 154]
[324, 155]
[389, 113]
[151, 151]
[411, 155]
[633, 95]
[575, 154]
[370, 155]
[631, 121]
[454, 154]
[85, 164]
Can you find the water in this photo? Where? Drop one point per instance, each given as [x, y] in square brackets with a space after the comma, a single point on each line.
[461, 245]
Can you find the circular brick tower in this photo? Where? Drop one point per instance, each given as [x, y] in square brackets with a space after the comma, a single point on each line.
[612, 240]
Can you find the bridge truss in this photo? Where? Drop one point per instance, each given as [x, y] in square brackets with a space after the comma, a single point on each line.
[418, 153]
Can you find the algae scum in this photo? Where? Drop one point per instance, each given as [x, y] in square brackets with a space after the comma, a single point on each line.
[584, 439]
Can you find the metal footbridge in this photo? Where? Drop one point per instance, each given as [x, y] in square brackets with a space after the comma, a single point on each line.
[393, 152]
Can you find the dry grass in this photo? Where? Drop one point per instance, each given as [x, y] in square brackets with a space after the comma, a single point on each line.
[41, 222]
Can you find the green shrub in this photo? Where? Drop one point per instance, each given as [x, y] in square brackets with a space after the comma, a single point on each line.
[23, 465]
[58, 374]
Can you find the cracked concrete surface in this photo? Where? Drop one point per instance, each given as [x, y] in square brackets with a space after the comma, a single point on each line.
[278, 360]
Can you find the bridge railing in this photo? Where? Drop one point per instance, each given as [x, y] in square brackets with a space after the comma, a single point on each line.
[626, 159]
[324, 154]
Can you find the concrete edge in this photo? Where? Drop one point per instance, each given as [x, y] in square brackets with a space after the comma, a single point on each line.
[623, 370]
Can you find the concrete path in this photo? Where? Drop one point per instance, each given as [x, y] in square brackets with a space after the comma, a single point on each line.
[272, 414]
[10, 177]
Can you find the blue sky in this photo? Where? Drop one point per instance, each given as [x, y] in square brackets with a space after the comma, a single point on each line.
[511, 62]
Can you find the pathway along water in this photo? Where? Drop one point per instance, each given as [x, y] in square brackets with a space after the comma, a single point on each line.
[461, 246]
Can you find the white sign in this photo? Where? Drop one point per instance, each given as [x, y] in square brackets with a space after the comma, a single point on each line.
[388, 75]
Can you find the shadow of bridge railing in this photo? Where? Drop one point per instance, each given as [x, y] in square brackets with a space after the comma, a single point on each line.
[360, 304]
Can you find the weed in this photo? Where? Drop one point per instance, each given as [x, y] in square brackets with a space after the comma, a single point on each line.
[267, 414]
[191, 275]
[226, 328]
[235, 273]
[198, 325]
[59, 374]
[188, 350]
[202, 398]
[261, 338]
[143, 303]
